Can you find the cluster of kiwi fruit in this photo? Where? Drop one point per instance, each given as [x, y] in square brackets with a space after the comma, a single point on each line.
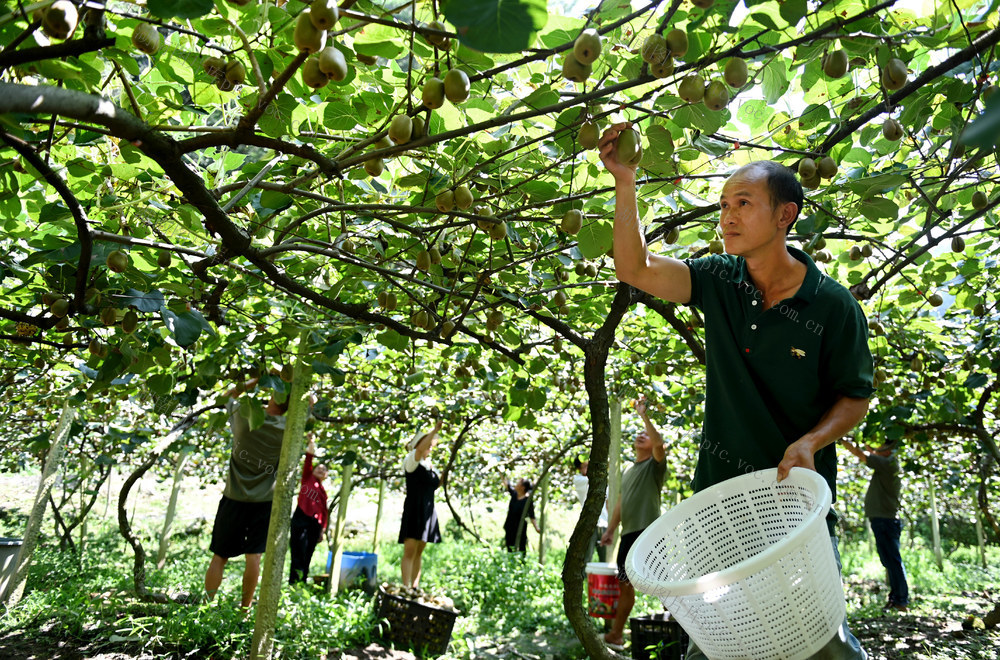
[659, 51]
[812, 171]
[226, 73]
[325, 63]
[579, 62]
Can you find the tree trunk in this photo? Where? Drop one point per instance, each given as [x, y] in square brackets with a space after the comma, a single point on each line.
[594, 371]
[15, 589]
[614, 467]
[168, 519]
[337, 542]
[285, 490]
[542, 501]
[935, 525]
[378, 513]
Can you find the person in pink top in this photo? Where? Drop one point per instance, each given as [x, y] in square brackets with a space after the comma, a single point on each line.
[310, 517]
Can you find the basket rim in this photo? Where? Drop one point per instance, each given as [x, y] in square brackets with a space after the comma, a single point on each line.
[742, 569]
[382, 592]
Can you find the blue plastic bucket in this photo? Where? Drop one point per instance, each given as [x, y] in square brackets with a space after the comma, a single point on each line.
[357, 568]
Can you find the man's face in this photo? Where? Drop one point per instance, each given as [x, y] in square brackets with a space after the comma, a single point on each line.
[583, 467]
[748, 220]
[642, 441]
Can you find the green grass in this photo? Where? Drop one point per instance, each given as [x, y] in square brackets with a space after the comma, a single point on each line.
[503, 601]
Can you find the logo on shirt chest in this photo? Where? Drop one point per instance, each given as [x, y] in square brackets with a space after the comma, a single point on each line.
[797, 353]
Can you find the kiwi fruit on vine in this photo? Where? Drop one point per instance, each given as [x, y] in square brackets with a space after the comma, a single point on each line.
[434, 254]
[629, 147]
[979, 310]
[50, 297]
[735, 74]
[855, 254]
[672, 236]
[979, 200]
[312, 76]
[677, 43]
[703, 4]
[324, 14]
[333, 63]
[716, 246]
[587, 47]
[866, 250]
[447, 329]
[559, 299]
[826, 167]
[117, 261]
[423, 261]
[574, 70]
[498, 231]
[60, 19]
[419, 318]
[892, 130]
[572, 221]
[445, 201]
[654, 49]
[433, 93]
[214, 66]
[109, 316]
[390, 302]
[957, 244]
[807, 168]
[365, 59]
[236, 73]
[438, 40]
[97, 348]
[663, 69]
[592, 270]
[146, 38]
[374, 166]
[691, 88]
[419, 128]
[456, 86]
[306, 36]
[580, 269]
[400, 129]
[716, 95]
[463, 197]
[589, 135]
[59, 307]
[494, 319]
[935, 300]
[834, 63]
[894, 74]
[130, 322]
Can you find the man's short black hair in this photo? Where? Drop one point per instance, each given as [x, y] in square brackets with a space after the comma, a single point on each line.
[782, 183]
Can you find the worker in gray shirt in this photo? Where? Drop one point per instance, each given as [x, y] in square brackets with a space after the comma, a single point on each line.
[881, 508]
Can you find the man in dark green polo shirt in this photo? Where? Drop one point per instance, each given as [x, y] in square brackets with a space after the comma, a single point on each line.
[882, 509]
[788, 366]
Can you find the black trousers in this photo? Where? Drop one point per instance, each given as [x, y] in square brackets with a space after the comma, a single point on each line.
[301, 544]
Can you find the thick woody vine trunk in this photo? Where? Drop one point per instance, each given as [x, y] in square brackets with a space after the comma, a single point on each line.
[285, 489]
[15, 589]
[594, 376]
[378, 513]
[543, 499]
[935, 524]
[614, 468]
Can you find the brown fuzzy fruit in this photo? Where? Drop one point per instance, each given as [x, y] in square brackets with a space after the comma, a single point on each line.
[587, 47]
[214, 66]
[324, 14]
[117, 261]
[438, 40]
[374, 166]
[692, 88]
[834, 63]
[716, 95]
[59, 307]
[894, 74]
[826, 167]
[807, 168]
[498, 231]
[146, 38]
[892, 130]
[589, 135]
[307, 38]
[236, 73]
[433, 93]
[400, 129]
[736, 73]
[654, 49]
[572, 221]
[629, 148]
[979, 200]
[463, 197]
[333, 63]
[456, 86]
[311, 74]
[957, 244]
[677, 43]
[575, 70]
[663, 69]
[60, 19]
[445, 201]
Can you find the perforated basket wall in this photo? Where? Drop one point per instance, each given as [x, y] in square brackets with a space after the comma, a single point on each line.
[747, 567]
[423, 628]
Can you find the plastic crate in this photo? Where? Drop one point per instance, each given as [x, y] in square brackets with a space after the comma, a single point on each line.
[424, 628]
[657, 629]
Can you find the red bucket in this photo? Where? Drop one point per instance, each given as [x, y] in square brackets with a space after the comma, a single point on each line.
[602, 589]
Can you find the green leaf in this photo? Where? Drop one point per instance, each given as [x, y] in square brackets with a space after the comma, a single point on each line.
[985, 131]
[185, 327]
[595, 239]
[179, 8]
[497, 26]
[144, 302]
[775, 81]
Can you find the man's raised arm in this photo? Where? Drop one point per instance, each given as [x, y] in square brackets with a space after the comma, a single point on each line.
[663, 277]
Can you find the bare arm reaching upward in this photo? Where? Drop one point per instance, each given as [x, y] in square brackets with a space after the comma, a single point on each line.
[663, 277]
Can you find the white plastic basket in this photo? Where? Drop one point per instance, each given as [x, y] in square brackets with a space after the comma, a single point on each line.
[747, 567]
